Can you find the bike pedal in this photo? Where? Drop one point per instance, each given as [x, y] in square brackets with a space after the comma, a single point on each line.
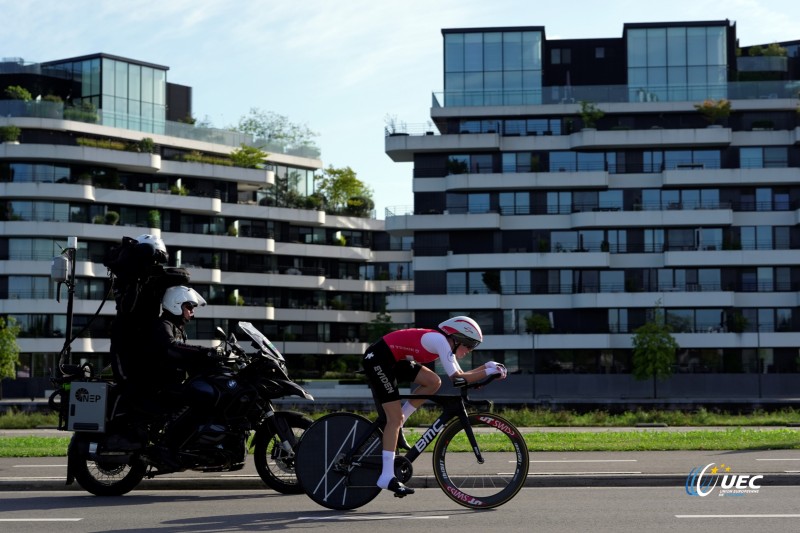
[400, 490]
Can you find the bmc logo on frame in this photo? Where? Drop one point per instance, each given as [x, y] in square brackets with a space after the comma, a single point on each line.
[702, 481]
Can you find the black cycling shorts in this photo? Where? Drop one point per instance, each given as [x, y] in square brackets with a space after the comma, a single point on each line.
[383, 372]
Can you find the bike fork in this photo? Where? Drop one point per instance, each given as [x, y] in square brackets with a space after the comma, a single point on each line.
[471, 437]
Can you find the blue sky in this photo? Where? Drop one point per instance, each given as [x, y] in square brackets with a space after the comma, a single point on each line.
[339, 67]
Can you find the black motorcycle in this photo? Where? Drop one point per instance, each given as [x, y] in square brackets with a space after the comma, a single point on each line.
[115, 445]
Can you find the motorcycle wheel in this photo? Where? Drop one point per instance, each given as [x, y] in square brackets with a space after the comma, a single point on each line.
[274, 464]
[103, 478]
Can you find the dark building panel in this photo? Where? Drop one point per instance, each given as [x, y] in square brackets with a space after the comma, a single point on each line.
[179, 102]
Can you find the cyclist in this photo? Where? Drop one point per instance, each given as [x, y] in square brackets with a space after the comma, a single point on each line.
[400, 355]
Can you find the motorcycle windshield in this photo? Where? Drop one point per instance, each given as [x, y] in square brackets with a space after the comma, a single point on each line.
[260, 339]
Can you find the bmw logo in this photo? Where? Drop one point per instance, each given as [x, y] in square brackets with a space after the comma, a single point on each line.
[231, 384]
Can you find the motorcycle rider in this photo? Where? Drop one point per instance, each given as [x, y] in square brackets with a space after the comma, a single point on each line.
[402, 355]
[171, 360]
[139, 281]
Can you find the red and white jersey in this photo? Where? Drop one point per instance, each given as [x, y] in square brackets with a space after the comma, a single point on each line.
[422, 346]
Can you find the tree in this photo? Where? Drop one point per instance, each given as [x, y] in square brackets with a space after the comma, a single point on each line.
[590, 114]
[654, 350]
[9, 350]
[248, 157]
[338, 185]
[272, 128]
[713, 110]
[15, 92]
[380, 325]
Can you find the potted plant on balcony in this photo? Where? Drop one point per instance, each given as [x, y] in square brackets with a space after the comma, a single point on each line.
[10, 134]
[714, 110]
[590, 114]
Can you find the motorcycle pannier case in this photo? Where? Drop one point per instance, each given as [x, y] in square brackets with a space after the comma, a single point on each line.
[87, 406]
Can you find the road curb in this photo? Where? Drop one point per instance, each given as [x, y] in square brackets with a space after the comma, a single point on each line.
[420, 482]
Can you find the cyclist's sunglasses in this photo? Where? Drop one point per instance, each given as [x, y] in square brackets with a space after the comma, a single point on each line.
[189, 305]
[466, 341]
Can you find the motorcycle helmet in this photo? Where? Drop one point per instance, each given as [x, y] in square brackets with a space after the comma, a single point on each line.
[159, 249]
[175, 297]
[463, 330]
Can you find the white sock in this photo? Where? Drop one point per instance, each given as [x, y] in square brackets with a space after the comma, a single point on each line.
[388, 469]
[408, 410]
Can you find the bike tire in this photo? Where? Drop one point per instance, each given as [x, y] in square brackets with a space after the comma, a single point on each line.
[99, 477]
[276, 466]
[475, 485]
[323, 476]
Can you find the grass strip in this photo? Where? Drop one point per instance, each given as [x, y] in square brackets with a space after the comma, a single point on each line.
[584, 441]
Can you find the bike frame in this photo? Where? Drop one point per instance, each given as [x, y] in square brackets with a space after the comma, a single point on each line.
[453, 406]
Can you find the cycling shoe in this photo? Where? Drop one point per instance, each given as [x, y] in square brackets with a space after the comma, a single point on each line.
[400, 490]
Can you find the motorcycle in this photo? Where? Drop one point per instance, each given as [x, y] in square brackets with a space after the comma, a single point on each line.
[114, 445]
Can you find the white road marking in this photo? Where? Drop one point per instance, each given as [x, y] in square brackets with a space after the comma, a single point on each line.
[40, 466]
[737, 516]
[374, 517]
[28, 478]
[530, 474]
[787, 459]
[588, 461]
[40, 519]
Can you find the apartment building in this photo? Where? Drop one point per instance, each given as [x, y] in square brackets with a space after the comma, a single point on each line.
[107, 148]
[586, 182]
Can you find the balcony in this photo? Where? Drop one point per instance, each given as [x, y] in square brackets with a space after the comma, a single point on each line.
[568, 95]
[663, 138]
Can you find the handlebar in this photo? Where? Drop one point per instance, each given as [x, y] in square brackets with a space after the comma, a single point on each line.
[462, 384]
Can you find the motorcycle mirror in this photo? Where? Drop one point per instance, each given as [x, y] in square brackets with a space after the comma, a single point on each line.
[232, 339]
[219, 334]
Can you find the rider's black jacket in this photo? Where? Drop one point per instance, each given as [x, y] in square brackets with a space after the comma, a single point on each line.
[171, 355]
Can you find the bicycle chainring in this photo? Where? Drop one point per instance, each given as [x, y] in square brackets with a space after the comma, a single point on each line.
[403, 469]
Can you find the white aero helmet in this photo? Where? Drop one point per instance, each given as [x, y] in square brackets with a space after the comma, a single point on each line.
[463, 330]
[159, 248]
[175, 297]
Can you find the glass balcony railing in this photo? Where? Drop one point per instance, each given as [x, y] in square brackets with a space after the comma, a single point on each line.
[57, 110]
[568, 94]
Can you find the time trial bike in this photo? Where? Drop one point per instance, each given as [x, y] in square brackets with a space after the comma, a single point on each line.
[339, 460]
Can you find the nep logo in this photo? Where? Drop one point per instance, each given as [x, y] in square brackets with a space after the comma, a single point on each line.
[702, 481]
[82, 395]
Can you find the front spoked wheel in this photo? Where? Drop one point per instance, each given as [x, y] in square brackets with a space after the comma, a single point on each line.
[321, 465]
[274, 462]
[481, 486]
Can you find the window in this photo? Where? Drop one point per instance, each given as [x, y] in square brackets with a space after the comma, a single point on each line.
[617, 320]
[561, 56]
[559, 203]
[478, 203]
[456, 283]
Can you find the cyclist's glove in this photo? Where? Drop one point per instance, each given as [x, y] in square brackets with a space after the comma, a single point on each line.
[496, 368]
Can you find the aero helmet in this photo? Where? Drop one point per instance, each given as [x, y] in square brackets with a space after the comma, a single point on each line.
[157, 244]
[463, 330]
[175, 297]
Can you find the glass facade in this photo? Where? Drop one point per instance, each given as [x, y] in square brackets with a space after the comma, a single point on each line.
[129, 95]
[493, 68]
[677, 63]
[134, 96]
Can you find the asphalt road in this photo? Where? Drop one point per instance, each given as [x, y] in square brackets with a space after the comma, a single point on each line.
[565, 492]
[547, 469]
[553, 510]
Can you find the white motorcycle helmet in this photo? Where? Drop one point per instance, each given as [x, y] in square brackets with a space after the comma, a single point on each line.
[175, 297]
[463, 330]
[159, 248]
